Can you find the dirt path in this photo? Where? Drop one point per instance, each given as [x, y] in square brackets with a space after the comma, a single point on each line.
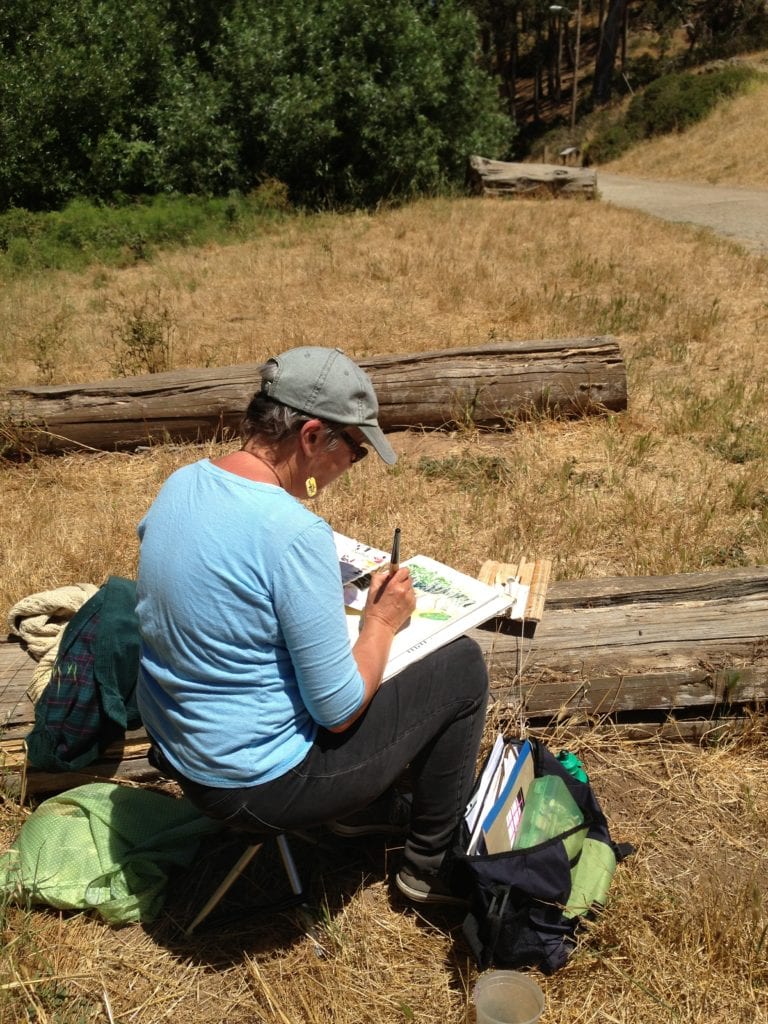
[737, 213]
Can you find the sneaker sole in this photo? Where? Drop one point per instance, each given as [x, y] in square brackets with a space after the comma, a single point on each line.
[420, 896]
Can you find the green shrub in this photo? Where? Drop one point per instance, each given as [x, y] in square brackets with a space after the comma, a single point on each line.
[343, 101]
[677, 101]
[72, 71]
[610, 143]
[352, 103]
[85, 232]
[142, 336]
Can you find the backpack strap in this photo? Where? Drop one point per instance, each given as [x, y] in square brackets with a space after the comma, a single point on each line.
[484, 946]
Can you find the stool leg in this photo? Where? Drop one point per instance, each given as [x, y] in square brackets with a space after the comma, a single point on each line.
[289, 865]
[227, 884]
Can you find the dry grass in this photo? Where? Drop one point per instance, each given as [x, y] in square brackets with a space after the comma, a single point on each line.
[675, 484]
[729, 148]
[683, 940]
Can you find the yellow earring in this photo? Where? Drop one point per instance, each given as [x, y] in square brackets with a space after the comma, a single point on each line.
[311, 486]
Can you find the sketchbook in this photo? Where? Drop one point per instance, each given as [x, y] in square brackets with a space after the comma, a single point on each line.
[485, 795]
[495, 811]
[448, 603]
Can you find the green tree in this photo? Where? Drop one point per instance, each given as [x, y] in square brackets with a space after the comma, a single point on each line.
[196, 148]
[352, 101]
[72, 72]
[346, 101]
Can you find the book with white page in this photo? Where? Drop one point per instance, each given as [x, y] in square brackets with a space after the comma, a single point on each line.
[448, 603]
[477, 801]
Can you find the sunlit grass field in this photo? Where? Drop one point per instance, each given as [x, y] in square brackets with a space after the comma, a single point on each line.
[675, 484]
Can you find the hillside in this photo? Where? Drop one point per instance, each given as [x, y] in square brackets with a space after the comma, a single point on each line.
[729, 148]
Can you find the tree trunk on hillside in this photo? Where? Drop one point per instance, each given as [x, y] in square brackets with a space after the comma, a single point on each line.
[559, 61]
[505, 35]
[606, 55]
[490, 386]
[600, 23]
[514, 54]
[538, 68]
[551, 58]
[499, 41]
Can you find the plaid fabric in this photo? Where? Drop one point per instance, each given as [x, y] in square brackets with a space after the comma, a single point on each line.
[90, 699]
[73, 709]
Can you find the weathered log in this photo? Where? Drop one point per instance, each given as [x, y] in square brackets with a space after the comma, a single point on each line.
[497, 178]
[691, 642]
[683, 656]
[489, 386]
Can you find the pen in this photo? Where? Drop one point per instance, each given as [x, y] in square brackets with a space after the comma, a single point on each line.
[394, 562]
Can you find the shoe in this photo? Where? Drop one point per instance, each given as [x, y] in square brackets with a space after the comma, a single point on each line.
[390, 815]
[423, 887]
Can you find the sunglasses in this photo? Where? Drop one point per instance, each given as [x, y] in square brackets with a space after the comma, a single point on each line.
[358, 450]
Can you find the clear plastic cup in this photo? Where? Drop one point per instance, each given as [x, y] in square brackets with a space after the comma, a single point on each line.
[507, 997]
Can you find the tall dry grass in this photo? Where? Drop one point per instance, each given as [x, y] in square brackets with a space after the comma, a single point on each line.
[729, 148]
[675, 484]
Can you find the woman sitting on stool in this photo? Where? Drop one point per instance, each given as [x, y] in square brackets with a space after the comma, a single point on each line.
[249, 687]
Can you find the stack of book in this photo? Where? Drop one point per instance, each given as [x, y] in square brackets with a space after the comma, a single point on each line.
[512, 810]
[495, 811]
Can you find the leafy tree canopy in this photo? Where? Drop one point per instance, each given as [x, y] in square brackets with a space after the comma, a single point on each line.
[346, 101]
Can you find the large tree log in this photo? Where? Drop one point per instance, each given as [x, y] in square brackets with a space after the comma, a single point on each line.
[696, 643]
[489, 385]
[640, 652]
[496, 178]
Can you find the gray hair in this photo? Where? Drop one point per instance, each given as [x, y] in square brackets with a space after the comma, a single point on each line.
[271, 422]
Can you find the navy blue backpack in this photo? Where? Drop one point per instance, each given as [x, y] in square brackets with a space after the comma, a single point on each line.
[526, 905]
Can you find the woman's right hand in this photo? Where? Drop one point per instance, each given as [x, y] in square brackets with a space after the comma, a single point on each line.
[391, 598]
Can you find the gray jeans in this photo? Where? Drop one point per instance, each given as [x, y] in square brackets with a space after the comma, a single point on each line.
[429, 717]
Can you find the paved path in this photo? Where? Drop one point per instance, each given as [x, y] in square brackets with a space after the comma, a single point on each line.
[737, 213]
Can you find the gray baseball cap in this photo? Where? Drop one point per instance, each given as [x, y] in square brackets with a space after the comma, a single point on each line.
[323, 382]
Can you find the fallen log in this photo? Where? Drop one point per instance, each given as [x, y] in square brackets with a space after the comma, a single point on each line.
[691, 643]
[682, 657]
[497, 178]
[488, 386]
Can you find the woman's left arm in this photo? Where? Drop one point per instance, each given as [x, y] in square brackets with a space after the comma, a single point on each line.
[391, 602]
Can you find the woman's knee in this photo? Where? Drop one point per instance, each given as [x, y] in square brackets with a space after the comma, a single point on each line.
[468, 668]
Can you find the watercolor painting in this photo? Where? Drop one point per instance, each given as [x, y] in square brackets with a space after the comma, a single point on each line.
[448, 603]
[437, 597]
[357, 560]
